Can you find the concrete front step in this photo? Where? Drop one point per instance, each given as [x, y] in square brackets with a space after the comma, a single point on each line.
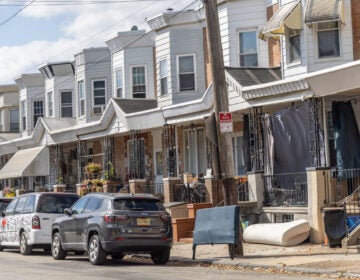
[186, 240]
[353, 249]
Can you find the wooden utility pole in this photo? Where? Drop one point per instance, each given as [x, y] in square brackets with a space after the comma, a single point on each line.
[225, 148]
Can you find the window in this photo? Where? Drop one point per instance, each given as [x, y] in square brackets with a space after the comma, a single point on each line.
[50, 104]
[119, 83]
[238, 156]
[195, 151]
[163, 77]
[138, 82]
[248, 48]
[23, 114]
[186, 68]
[38, 110]
[99, 93]
[20, 206]
[79, 206]
[14, 120]
[10, 208]
[328, 39]
[1, 121]
[81, 91]
[93, 204]
[66, 104]
[294, 45]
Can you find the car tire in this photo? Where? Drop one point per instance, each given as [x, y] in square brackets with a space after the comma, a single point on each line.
[25, 249]
[57, 250]
[97, 255]
[1, 248]
[118, 256]
[160, 257]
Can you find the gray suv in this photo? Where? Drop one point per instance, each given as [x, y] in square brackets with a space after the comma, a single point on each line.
[104, 224]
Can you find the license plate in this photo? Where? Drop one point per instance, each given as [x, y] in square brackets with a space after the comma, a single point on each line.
[143, 221]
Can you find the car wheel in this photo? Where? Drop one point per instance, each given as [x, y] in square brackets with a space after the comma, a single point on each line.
[97, 255]
[25, 249]
[1, 248]
[79, 253]
[161, 257]
[118, 256]
[57, 251]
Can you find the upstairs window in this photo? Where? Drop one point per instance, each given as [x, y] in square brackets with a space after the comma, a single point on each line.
[23, 114]
[66, 104]
[138, 82]
[294, 45]
[38, 110]
[328, 39]
[99, 93]
[186, 68]
[1, 121]
[119, 83]
[248, 49]
[163, 77]
[14, 120]
[81, 91]
[50, 104]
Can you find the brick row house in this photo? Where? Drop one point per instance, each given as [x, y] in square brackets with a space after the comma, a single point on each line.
[140, 107]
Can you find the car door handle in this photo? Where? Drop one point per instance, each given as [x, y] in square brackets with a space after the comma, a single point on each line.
[46, 219]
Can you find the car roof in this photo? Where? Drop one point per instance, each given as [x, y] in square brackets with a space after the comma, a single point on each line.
[49, 194]
[125, 195]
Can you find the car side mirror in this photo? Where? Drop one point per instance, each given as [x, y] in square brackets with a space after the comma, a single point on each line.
[67, 211]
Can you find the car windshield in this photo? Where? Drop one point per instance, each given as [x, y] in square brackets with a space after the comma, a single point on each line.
[55, 203]
[138, 204]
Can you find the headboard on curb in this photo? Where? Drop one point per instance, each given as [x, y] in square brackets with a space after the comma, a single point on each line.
[219, 225]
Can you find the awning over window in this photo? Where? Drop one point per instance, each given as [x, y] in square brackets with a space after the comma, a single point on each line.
[323, 10]
[27, 162]
[288, 15]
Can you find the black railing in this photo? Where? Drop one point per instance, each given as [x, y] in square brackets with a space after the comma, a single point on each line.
[288, 189]
[243, 190]
[189, 194]
[344, 183]
[156, 189]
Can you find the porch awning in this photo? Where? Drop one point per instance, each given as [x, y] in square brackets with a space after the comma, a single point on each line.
[27, 162]
[288, 15]
[323, 10]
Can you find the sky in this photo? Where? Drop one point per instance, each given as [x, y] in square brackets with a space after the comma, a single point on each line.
[36, 32]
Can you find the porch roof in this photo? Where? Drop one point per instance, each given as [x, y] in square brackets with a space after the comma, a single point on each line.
[27, 162]
[129, 106]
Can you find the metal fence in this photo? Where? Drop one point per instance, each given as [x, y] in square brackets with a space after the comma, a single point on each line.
[344, 183]
[288, 189]
[189, 194]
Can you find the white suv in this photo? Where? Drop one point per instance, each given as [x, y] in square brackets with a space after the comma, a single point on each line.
[26, 222]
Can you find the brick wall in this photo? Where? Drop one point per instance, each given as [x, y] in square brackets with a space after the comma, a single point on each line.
[273, 45]
[355, 14]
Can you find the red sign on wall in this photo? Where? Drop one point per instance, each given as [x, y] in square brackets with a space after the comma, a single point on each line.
[225, 120]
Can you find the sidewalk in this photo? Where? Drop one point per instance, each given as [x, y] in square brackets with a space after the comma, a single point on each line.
[306, 258]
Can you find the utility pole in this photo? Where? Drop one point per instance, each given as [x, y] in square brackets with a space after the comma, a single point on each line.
[225, 148]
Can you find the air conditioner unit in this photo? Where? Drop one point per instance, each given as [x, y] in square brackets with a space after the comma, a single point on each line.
[98, 110]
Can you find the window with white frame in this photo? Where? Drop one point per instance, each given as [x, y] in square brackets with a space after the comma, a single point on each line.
[328, 39]
[14, 120]
[294, 45]
[248, 48]
[99, 93]
[38, 110]
[81, 94]
[186, 69]
[195, 151]
[23, 114]
[66, 104]
[50, 100]
[163, 77]
[138, 82]
[1, 121]
[239, 162]
[119, 83]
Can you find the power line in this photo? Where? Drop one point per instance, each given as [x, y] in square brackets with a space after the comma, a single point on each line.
[75, 3]
[18, 12]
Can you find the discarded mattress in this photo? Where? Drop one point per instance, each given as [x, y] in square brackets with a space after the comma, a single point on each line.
[282, 234]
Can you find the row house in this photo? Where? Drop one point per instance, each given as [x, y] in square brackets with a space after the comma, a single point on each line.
[141, 107]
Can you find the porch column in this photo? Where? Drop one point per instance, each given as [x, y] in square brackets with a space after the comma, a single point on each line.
[317, 185]
[169, 188]
[256, 188]
[214, 191]
[137, 186]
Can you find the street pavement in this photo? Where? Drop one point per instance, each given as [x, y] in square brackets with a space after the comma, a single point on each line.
[305, 258]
